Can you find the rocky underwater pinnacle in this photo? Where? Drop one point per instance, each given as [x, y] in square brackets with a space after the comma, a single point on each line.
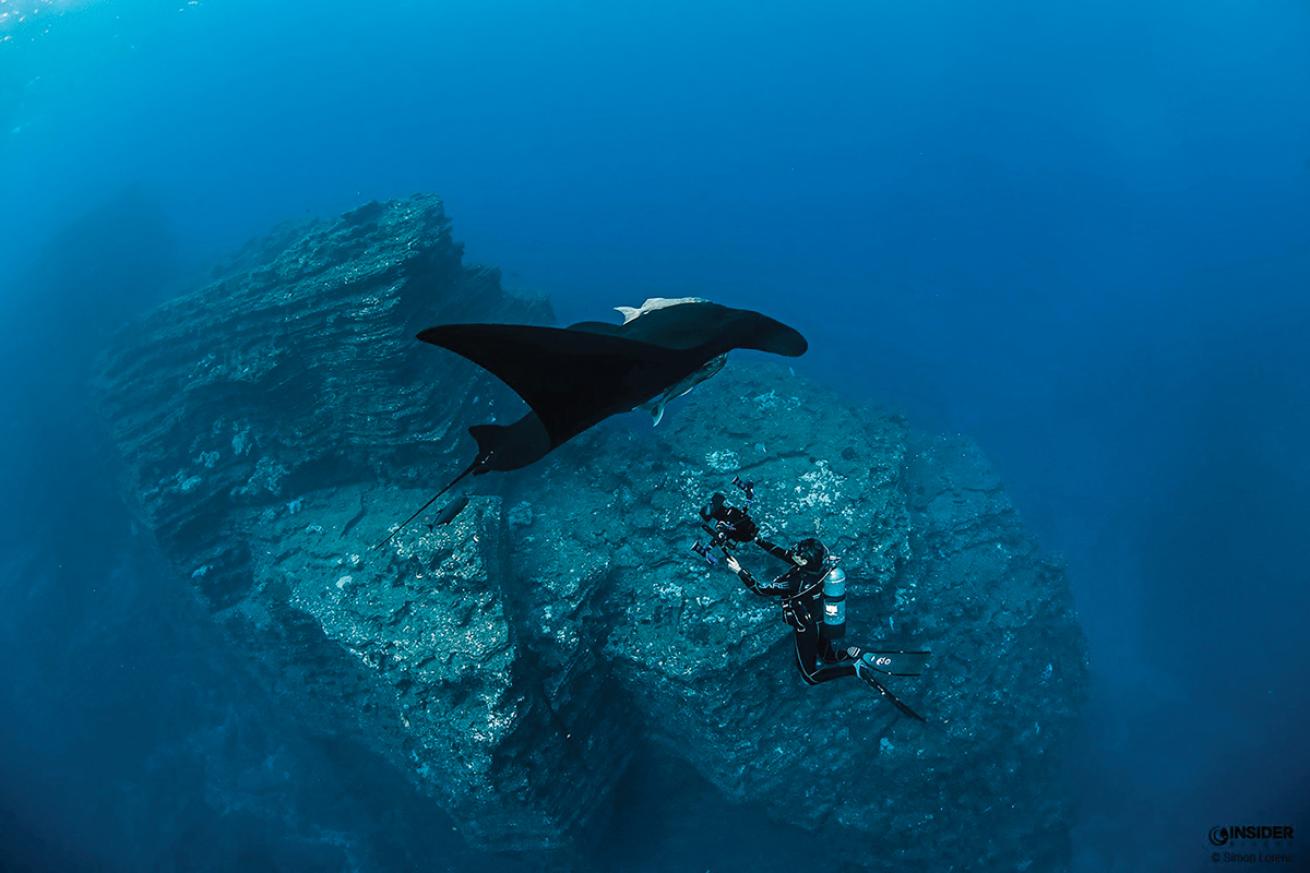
[275, 423]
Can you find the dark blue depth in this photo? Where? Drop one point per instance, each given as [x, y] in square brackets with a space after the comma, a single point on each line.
[1078, 233]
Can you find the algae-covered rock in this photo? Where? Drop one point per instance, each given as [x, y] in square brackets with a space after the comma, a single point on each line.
[936, 558]
[275, 425]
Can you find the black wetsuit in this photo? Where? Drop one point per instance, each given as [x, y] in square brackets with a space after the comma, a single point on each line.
[801, 590]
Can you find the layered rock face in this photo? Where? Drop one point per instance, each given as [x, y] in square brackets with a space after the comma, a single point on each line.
[275, 424]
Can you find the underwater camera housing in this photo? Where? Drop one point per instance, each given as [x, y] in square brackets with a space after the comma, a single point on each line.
[728, 526]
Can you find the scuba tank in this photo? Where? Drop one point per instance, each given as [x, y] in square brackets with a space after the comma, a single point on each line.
[834, 605]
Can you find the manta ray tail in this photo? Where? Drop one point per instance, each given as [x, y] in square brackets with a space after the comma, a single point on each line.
[451, 484]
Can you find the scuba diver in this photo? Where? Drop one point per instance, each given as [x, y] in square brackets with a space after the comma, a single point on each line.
[812, 591]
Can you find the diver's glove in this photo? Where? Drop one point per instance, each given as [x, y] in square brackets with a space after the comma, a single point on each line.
[742, 573]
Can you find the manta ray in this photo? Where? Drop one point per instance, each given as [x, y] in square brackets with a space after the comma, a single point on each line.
[574, 377]
[656, 406]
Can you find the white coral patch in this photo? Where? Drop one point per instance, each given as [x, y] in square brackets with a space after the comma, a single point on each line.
[770, 401]
[723, 461]
[819, 487]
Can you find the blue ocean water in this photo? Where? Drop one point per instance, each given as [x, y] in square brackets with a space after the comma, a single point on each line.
[1078, 233]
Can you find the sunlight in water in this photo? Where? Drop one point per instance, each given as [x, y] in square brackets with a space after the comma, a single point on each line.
[29, 19]
[32, 17]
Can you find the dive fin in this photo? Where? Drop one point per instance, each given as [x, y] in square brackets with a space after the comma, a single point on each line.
[433, 499]
[867, 677]
[657, 413]
[897, 662]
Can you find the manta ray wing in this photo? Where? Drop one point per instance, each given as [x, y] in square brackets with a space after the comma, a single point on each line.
[571, 378]
[713, 328]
